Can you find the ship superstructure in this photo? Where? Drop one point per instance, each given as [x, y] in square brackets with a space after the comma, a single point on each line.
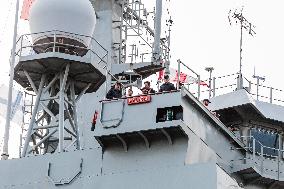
[75, 52]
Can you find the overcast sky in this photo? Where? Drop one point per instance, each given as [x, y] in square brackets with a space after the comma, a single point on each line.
[202, 36]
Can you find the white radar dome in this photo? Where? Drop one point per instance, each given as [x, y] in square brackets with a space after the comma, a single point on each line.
[71, 16]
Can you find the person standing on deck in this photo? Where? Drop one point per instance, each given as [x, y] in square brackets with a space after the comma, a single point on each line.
[167, 85]
[115, 91]
[147, 89]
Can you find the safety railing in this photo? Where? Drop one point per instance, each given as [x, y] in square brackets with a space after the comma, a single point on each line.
[264, 93]
[62, 42]
[136, 29]
[258, 149]
[213, 86]
[228, 83]
[222, 84]
[193, 82]
[260, 156]
[225, 84]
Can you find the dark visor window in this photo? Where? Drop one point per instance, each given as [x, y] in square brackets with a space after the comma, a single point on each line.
[266, 138]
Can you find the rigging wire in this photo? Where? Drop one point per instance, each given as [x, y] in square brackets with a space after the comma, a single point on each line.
[1, 34]
[6, 19]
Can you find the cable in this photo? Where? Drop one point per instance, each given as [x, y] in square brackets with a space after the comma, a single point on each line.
[6, 20]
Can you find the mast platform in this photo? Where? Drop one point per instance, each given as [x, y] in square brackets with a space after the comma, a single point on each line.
[81, 70]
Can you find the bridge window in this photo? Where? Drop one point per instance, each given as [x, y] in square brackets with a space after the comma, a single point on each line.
[269, 140]
[169, 114]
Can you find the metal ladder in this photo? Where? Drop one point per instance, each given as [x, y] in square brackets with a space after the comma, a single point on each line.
[29, 100]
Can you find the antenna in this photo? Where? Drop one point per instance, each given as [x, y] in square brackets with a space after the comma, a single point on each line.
[258, 78]
[238, 17]
[210, 69]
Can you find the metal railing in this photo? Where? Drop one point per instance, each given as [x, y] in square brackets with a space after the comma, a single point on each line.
[192, 81]
[137, 35]
[258, 91]
[258, 149]
[218, 87]
[264, 93]
[258, 158]
[55, 41]
[228, 83]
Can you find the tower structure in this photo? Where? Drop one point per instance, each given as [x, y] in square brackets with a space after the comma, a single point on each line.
[71, 52]
[60, 64]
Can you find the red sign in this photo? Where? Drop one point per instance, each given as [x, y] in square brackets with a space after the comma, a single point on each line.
[139, 99]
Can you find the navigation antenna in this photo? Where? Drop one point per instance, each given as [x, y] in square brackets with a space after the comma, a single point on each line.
[238, 17]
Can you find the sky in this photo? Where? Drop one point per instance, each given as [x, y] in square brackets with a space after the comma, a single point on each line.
[7, 16]
[202, 37]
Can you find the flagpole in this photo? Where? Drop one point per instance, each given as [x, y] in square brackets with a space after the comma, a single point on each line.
[5, 153]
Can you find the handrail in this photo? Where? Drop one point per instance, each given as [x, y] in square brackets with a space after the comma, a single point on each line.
[55, 34]
[278, 156]
[64, 32]
[138, 95]
[261, 145]
[252, 88]
[228, 75]
[197, 75]
[180, 62]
